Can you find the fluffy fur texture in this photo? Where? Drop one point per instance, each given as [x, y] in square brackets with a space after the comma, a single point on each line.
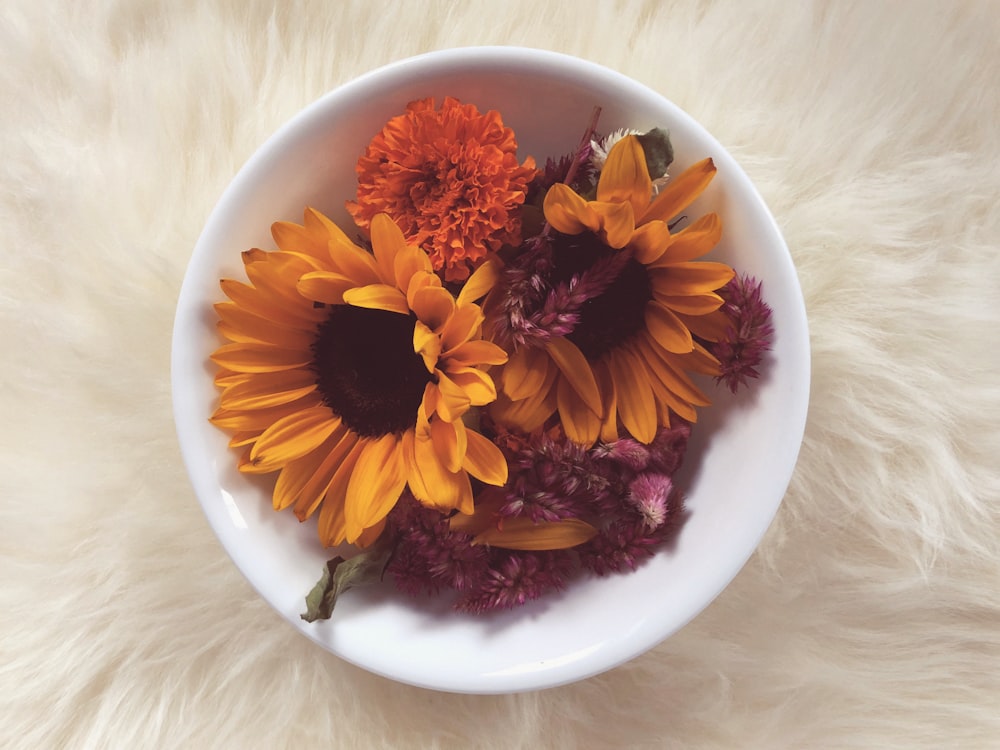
[868, 617]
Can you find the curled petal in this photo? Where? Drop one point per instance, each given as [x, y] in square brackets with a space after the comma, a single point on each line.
[567, 212]
[625, 177]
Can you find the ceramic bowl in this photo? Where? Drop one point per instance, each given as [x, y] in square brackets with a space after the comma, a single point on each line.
[742, 451]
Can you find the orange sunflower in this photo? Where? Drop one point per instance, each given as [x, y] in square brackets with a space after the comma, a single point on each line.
[449, 178]
[349, 373]
[628, 357]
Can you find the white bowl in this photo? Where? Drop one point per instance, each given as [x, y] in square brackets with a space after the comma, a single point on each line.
[742, 452]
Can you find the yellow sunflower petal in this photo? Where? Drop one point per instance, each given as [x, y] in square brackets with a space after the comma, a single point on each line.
[625, 177]
[324, 286]
[310, 475]
[527, 414]
[576, 370]
[293, 436]
[667, 398]
[268, 389]
[259, 358]
[484, 460]
[433, 305]
[387, 242]
[370, 535]
[567, 212]
[296, 238]
[667, 329]
[690, 304]
[320, 225]
[452, 400]
[378, 297]
[261, 419]
[525, 372]
[411, 261]
[239, 325]
[420, 281]
[263, 306]
[680, 192]
[522, 534]
[375, 485]
[477, 385]
[450, 441]
[649, 241]
[609, 422]
[351, 261]
[700, 360]
[332, 522]
[635, 403]
[427, 344]
[477, 352]
[431, 483]
[668, 369]
[480, 282]
[617, 223]
[579, 422]
[463, 324]
[693, 241]
[711, 326]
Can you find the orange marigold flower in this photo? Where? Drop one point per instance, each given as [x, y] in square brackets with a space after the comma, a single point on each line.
[450, 180]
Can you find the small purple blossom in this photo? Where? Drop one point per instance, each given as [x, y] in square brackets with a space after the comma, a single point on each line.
[516, 578]
[748, 337]
[649, 495]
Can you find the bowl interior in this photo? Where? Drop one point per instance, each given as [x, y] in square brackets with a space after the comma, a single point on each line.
[742, 451]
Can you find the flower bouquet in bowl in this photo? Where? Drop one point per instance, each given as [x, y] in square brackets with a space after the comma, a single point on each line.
[485, 387]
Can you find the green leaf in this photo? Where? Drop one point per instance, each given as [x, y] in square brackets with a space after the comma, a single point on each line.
[659, 151]
[339, 575]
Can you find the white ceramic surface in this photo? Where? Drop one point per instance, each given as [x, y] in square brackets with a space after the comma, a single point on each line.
[742, 452]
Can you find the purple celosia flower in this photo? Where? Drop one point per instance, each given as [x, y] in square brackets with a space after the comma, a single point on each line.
[649, 494]
[516, 578]
[748, 337]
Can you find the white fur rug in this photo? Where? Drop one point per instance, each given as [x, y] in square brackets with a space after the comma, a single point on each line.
[870, 616]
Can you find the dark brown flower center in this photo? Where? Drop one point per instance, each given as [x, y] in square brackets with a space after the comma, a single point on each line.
[367, 370]
[617, 313]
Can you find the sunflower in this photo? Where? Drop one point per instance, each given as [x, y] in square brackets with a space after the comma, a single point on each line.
[349, 373]
[449, 178]
[628, 356]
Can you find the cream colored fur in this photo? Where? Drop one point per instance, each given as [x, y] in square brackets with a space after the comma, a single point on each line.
[870, 616]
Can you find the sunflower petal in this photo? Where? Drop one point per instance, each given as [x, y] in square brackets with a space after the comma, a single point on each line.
[332, 522]
[452, 400]
[567, 212]
[296, 238]
[268, 389]
[617, 222]
[625, 177]
[378, 297]
[522, 534]
[480, 282]
[427, 344]
[324, 286]
[667, 329]
[376, 483]
[667, 368]
[292, 437]
[431, 483]
[259, 358]
[680, 192]
[579, 422]
[525, 372]
[477, 352]
[694, 241]
[316, 468]
[576, 371]
[711, 326]
[450, 442]
[463, 324]
[477, 385]
[649, 241]
[343, 451]
[387, 242]
[636, 406]
[319, 224]
[257, 303]
[609, 423]
[351, 261]
[484, 460]
[411, 261]
[690, 304]
[433, 305]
